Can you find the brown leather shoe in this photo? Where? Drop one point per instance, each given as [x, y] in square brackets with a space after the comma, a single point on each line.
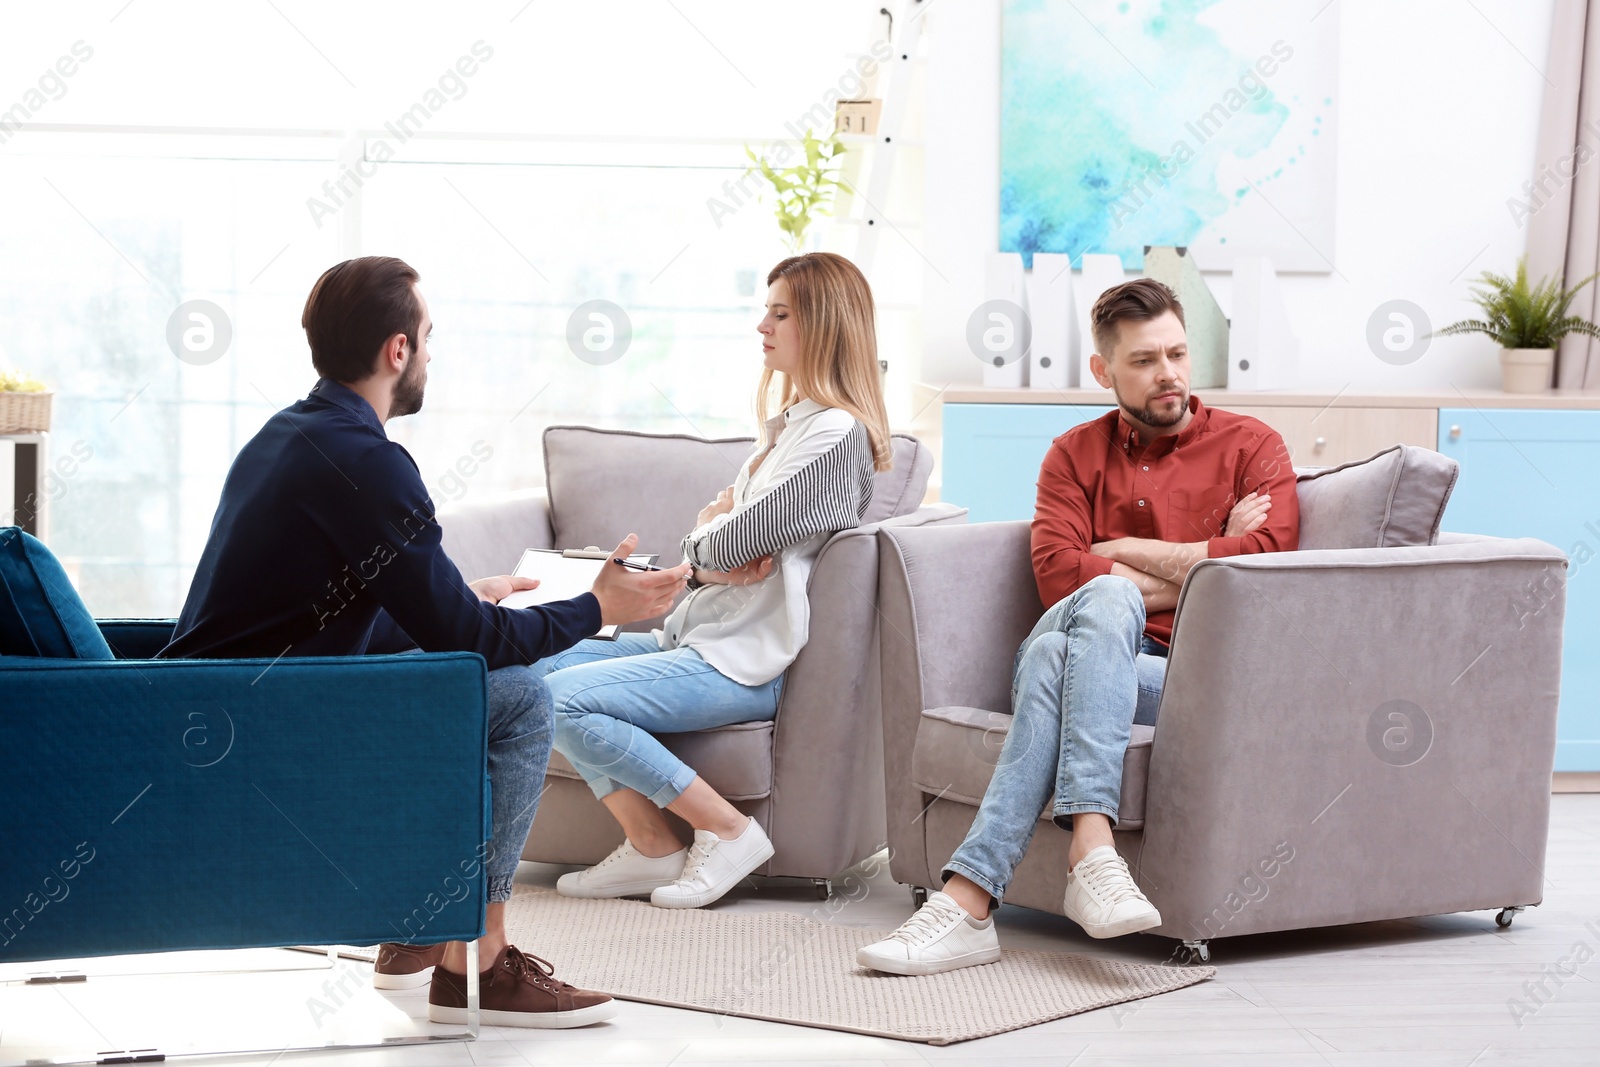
[517, 990]
[402, 966]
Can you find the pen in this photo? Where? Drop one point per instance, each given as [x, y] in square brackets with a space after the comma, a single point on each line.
[632, 566]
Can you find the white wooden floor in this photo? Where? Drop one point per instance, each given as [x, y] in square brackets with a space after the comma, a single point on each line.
[1423, 992]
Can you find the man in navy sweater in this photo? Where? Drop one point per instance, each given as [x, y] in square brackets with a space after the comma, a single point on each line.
[325, 544]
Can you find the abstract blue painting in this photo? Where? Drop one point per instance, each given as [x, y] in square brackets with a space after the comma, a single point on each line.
[1204, 123]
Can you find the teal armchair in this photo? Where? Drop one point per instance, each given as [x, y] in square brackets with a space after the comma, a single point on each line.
[164, 805]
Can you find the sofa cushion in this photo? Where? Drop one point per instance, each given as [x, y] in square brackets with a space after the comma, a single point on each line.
[40, 613]
[605, 484]
[735, 760]
[900, 489]
[957, 749]
[1395, 498]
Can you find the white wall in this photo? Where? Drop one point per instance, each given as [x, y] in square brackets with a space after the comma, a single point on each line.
[1439, 109]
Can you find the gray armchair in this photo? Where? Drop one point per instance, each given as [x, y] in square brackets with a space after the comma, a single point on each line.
[1346, 733]
[813, 776]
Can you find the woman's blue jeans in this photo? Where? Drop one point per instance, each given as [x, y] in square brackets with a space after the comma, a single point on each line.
[1081, 680]
[612, 697]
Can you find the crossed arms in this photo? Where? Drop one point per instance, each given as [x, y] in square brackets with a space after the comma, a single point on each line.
[1264, 518]
[1158, 568]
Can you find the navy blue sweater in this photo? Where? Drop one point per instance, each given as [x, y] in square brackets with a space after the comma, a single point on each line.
[325, 544]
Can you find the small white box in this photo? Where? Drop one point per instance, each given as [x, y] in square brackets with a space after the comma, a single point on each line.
[1052, 361]
[1263, 352]
[999, 336]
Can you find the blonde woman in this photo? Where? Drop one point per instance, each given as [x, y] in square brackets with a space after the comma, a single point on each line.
[720, 656]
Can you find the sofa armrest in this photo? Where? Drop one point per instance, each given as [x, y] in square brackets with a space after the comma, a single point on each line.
[1386, 717]
[199, 804]
[928, 515]
[1447, 538]
[488, 536]
[827, 751]
[957, 600]
[954, 603]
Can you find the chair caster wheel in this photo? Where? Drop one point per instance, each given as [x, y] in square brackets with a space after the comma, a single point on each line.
[1190, 953]
[1503, 920]
[824, 888]
[919, 896]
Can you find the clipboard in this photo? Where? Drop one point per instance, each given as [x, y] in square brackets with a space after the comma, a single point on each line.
[562, 575]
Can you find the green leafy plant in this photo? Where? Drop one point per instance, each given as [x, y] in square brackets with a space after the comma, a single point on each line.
[17, 382]
[806, 189]
[1519, 315]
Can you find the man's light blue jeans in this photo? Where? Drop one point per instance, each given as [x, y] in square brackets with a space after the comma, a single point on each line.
[1081, 680]
[611, 697]
[519, 751]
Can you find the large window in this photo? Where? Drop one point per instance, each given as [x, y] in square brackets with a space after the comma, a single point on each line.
[203, 153]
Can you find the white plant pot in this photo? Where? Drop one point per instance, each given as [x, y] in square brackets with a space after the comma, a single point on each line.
[1526, 370]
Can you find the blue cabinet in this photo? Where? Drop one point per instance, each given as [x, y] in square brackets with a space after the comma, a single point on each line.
[1536, 473]
[992, 454]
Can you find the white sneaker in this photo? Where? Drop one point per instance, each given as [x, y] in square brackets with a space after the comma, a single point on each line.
[1102, 898]
[941, 936]
[624, 873]
[715, 866]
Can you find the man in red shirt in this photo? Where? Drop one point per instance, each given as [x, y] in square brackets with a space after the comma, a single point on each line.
[1127, 505]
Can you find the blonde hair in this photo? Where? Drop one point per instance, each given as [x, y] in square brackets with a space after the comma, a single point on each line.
[838, 366]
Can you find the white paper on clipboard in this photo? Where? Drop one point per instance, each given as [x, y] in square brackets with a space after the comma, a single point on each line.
[561, 578]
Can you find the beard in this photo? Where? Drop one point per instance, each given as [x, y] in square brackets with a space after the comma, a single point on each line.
[1152, 417]
[409, 389]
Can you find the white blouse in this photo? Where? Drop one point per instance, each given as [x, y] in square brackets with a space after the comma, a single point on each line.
[815, 481]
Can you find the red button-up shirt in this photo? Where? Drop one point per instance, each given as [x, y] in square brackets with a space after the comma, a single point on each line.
[1099, 483]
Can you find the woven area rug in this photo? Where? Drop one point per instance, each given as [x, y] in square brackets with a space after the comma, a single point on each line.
[791, 969]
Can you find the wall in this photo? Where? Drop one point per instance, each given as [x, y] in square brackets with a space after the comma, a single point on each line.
[1439, 109]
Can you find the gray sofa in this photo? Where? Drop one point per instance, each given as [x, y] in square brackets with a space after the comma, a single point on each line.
[1363, 729]
[813, 776]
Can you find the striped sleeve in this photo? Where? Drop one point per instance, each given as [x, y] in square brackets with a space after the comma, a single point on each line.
[829, 490]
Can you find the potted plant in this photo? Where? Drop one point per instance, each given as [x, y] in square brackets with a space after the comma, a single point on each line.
[1527, 321]
[805, 189]
[24, 403]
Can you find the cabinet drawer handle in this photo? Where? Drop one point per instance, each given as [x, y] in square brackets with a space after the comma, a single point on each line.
[1321, 443]
[1455, 433]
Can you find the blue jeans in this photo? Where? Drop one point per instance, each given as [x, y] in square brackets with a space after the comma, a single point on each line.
[520, 733]
[1081, 680]
[610, 697]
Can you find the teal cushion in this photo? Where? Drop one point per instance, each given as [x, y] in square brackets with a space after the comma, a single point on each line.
[40, 613]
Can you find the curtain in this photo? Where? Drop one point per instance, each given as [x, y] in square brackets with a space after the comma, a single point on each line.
[1564, 226]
